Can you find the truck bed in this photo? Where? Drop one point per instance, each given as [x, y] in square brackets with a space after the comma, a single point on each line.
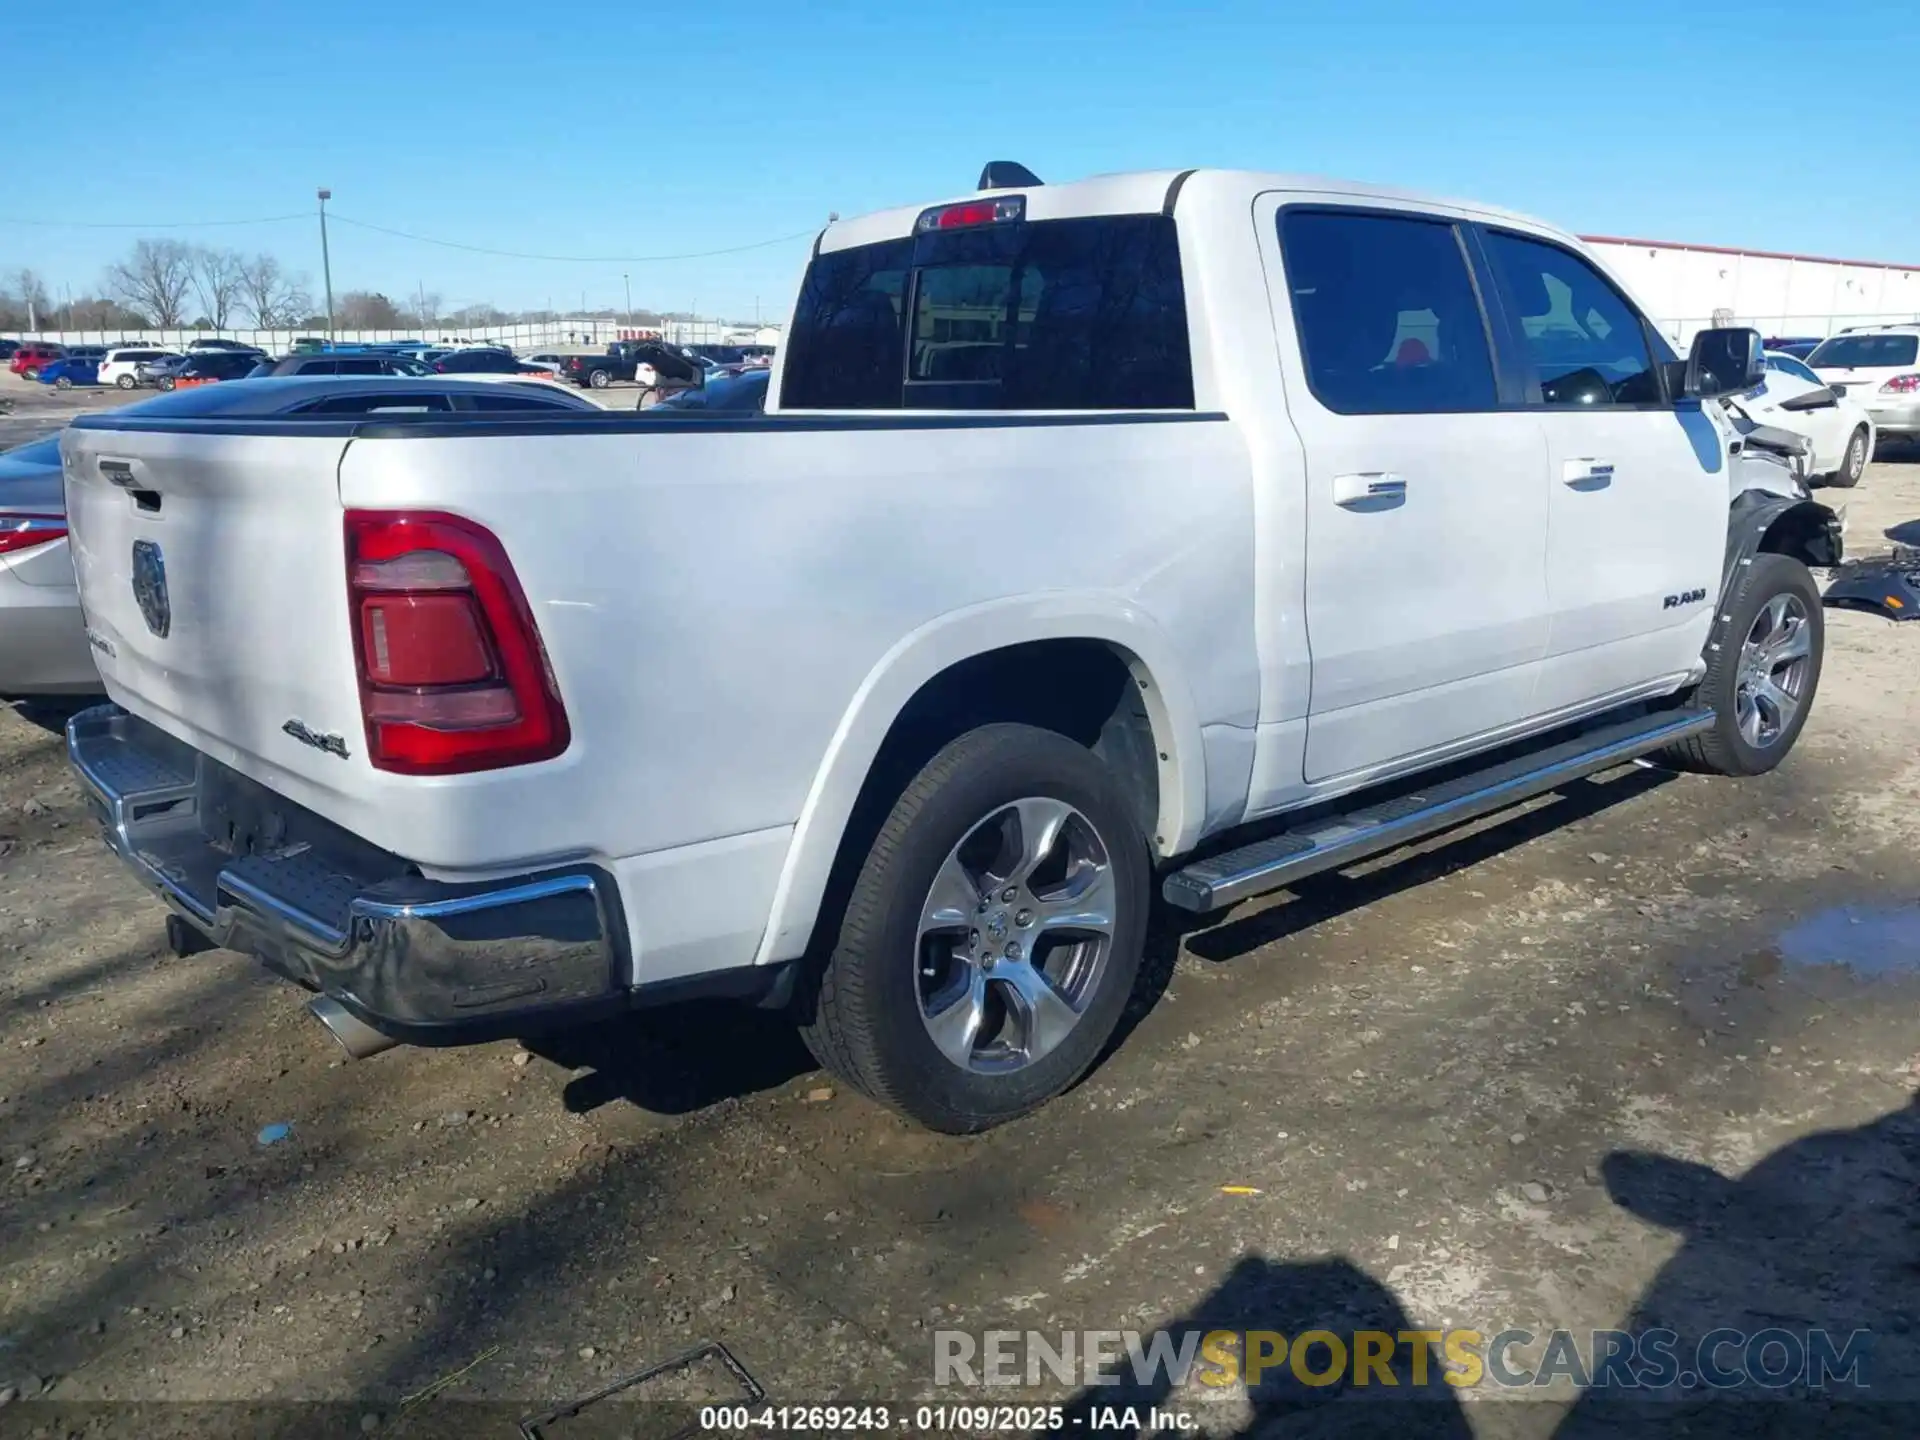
[713, 594]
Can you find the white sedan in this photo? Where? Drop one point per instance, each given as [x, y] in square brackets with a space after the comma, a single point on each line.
[1838, 429]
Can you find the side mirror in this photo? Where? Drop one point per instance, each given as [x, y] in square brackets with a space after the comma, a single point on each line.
[1723, 362]
[1839, 392]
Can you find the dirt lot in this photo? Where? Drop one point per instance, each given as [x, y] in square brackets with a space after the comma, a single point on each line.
[1643, 1053]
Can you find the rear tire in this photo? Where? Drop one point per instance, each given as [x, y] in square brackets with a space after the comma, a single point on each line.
[906, 965]
[599, 379]
[126, 382]
[1766, 652]
[1854, 465]
[63, 383]
[30, 373]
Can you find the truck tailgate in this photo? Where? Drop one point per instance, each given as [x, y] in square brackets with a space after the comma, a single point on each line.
[212, 576]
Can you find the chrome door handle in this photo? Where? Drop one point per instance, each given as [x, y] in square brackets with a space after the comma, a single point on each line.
[1586, 473]
[1374, 490]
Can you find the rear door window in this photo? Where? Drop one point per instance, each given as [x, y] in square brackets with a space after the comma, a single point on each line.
[1388, 318]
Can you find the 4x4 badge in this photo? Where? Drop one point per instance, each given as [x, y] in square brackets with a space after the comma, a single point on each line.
[331, 743]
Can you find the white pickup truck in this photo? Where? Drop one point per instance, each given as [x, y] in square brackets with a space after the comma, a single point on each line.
[1182, 532]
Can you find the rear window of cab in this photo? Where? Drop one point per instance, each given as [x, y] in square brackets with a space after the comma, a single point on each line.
[1082, 314]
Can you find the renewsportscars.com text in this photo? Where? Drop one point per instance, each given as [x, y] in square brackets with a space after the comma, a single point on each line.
[1772, 1359]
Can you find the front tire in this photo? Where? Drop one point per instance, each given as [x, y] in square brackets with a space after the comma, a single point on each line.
[126, 382]
[1854, 465]
[1763, 669]
[992, 936]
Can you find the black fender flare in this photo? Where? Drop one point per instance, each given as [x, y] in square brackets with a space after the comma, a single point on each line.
[1808, 530]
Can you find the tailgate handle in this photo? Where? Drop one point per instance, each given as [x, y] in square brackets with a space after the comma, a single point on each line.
[119, 473]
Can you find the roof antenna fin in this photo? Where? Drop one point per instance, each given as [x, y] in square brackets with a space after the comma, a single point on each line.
[1007, 175]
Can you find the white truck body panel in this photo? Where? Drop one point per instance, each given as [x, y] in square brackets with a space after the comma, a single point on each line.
[736, 613]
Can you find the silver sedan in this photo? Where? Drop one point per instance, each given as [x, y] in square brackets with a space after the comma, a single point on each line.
[43, 643]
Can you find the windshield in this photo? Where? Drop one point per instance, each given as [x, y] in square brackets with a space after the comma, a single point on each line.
[1857, 351]
[1787, 365]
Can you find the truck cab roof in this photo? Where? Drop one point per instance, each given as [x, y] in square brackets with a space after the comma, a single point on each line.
[1145, 192]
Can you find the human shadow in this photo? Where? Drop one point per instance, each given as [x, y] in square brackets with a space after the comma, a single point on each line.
[1822, 1237]
[1288, 1299]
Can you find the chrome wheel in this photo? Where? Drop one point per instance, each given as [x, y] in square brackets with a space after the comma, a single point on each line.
[1775, 661]
[1015, 935]
[1856, 456]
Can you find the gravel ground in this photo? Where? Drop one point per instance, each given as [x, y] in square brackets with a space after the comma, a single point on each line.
[1640, 1053]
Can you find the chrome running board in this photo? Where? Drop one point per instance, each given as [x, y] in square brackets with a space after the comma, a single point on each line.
[1336, 840]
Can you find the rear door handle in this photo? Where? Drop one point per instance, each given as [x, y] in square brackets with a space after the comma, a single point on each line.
[1373, 490]
[1586, 473]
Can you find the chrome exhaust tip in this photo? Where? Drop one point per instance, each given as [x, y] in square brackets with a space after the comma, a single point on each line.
[359, 1039]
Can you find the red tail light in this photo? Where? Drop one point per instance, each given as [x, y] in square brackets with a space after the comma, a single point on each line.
[453, 677]
[1901, 385]
[23, 532]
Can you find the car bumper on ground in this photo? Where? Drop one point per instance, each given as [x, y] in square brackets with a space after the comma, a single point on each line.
[420, 961]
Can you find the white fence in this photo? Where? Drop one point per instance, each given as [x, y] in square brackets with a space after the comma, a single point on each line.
[1685, 286]
[524, 337]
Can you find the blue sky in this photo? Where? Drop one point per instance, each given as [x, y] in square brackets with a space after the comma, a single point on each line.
[644, 130]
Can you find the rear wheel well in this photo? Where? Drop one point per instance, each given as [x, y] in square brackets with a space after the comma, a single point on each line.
[1087, 690]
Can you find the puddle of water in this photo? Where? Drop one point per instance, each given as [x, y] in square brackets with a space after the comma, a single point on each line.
[1869, 940]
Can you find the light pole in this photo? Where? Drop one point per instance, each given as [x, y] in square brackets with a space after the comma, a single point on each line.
[326, 263]
[628, 282]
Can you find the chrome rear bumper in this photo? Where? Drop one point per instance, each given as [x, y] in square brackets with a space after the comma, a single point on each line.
[419, 960]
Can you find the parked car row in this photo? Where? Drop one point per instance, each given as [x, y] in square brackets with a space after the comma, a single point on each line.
[1843, 395]
[43, 642]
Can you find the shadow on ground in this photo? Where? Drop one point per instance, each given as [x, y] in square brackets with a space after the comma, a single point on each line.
[678, 1059]
[1822, 1236]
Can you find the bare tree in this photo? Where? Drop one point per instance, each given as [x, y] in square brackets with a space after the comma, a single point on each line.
[274, 297]
[367, 310]
[425, 311]
[90, 312]
[155, 279]
[217, 283]
[30, 293]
